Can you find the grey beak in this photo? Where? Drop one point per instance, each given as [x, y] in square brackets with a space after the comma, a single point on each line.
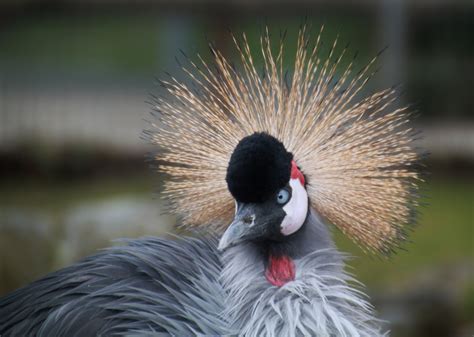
[232, 235]
[240, 229]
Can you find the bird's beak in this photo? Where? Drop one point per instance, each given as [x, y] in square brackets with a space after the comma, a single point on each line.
[243, 227]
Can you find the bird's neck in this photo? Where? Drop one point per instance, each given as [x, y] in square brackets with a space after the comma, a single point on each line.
[320, 300]
[279, 257]
[246, 275]
[277, 260]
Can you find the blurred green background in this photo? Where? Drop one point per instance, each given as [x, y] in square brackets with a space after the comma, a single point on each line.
[74, 80]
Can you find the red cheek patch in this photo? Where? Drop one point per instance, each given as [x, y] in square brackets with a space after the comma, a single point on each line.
[296, 173]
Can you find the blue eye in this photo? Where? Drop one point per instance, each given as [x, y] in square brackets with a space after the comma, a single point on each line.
[283, 196]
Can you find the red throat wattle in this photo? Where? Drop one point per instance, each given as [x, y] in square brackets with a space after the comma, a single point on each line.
[280, 270]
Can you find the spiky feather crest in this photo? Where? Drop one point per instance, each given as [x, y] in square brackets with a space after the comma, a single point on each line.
[357, 155]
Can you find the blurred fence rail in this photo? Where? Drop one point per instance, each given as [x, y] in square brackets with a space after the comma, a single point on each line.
[116, 117]
[73, 115]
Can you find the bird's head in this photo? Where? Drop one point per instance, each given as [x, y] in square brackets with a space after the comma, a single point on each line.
[271, 202]
[356, 151]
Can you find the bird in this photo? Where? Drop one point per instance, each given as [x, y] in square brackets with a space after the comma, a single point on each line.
[259, 166]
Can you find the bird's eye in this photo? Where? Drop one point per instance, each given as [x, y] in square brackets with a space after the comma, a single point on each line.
[283, 196]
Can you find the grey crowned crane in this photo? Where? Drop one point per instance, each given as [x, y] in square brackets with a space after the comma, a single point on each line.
[267, 160]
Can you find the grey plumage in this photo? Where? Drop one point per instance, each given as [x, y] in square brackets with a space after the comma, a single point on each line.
[320, 302]
[150, 285]
[180, 287]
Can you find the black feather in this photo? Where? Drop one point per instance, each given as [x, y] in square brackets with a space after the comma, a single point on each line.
[259, 166]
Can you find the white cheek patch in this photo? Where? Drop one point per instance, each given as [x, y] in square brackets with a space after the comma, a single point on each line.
[296, 209]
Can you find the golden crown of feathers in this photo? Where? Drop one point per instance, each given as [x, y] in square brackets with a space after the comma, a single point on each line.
[356, 154]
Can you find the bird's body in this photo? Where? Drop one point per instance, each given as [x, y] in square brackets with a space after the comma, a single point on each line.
[266, 160]
[148, 286]
[182, 287]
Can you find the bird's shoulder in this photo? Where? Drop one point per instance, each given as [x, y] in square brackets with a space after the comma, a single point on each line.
[152, 284]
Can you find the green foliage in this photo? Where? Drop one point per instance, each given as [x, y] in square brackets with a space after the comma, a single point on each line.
[97, 43]
[128, 44]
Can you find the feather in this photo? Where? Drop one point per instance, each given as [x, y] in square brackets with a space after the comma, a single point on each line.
[321, 301]
[149, 287]
[356, 153]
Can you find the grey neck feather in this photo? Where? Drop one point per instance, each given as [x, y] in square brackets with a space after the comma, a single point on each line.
[313, 235]
[319, 302]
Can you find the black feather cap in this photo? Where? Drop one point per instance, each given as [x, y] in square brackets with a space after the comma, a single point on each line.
[259, 167]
